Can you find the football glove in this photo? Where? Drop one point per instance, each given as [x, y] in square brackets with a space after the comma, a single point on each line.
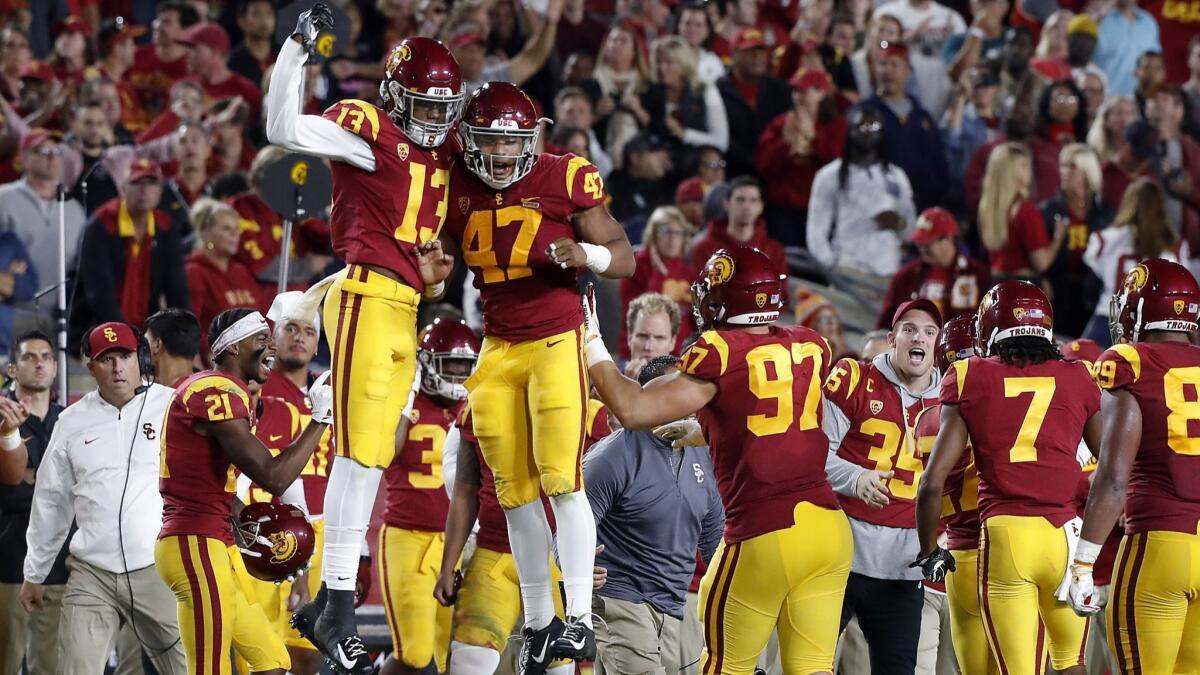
[1083, 595]
[312, 23]
[936, 565]
[362, 586]
[593, 343]
[321, 396]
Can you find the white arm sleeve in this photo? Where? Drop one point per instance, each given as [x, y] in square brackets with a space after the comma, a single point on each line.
[52, 510]
[311, 134]
[294, 495]
[450, 459]
[242, 488]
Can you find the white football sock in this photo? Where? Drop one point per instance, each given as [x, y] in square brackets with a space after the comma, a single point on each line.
[530, 539]
[349, 499]
[564, 669]
[471, 660]
[576, 551]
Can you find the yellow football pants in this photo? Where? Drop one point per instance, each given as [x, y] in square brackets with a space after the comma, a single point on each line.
[409, 561]
[489, 602]
[966, 621]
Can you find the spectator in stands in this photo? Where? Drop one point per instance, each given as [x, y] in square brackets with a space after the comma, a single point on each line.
[796, 144]
[116, 47]
[942, 272]
[622, 75]
[227, 123]
[861, 204]
[107, 94]
[1082, 32]
[689, 199]
[1137, 149]
[814, 311]
[1126, 33]
[192, 152]
[662, 265]
[927, 25]
[679, 106]
[1092, 85]
[693, 24]
[1180, 163]
[173, 336]
[1138, 231]
[1077, 204]
[573, 107]
[1110, 123]
[15, 55]
[159, 65]
[752, 98]
[1017, 79]
[468, 45]
[985, 38]
[215, 278]
[72, 51]
[653, 328]
[28, 210]
[884, 28]
[208, 54]
[18, 282]
[1051, 50]
[1151, 73]
[256, 20]
[1061, 120]
[1192, 86]
[970, 121]
[874, 344]
[1010, 225]
[577, 30]
[565, 138]
[41, 96]
[912, 139]
[186, 103]
[742, 225]
[637, 188]
[34, 637]
[134, 262]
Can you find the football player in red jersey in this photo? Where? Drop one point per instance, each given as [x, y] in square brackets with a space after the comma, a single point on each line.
[527, 224]
[1025, 410]
[875, 466]
[756, 390]
[206, 436]
[390, 189]
[412, 539]
[1149, 466]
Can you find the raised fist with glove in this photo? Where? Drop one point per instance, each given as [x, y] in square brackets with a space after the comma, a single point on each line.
[321, 396]
[312, 23]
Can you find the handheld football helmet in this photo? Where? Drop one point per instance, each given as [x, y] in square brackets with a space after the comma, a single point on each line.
[1082, 349]
[422, 90]
[1156, 295]
[1013, 309]
[447, 354]
[737, 287]
[276, 540]
[495, 112]
[957, 341]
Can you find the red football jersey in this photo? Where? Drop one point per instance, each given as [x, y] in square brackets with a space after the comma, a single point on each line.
[505, 234]
[316, 473]
[764, 425]
[1164, 483]
[879, 439]
[276, 423]
[960, 495]
[1026, 466]
[196, 478]
[416, 495]
[379, 217]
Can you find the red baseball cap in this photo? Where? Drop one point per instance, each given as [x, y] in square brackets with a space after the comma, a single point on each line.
[933, 224]
[76, 24]
[690, 190]
[1082, 349]
[467, 37]
[115, 29]
[921, 304]
[749, 38]
[37, 70]
[207, 33]
[109, 336]
[894, 49]
[34, 138]
[811, 78]
[144, 168]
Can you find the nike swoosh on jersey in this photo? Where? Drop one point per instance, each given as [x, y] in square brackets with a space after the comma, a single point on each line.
[89, 440]
[275, 437]
[26, 439]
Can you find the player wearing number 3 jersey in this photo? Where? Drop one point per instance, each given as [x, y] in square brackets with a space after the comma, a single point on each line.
[1025, 410]
[527, 223]
[756, 389]
[389, 200]
[1150, 464]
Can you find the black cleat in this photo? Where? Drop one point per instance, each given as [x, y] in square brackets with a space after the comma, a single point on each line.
[336, 635]
[536, 650]
[304, 619]
[577, 642]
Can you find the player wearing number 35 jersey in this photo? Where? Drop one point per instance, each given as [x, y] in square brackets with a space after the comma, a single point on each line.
[756, 390]
[1150, 464]
[390, 182]
[1025, 410]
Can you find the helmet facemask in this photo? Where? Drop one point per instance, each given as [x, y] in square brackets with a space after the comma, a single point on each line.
[499, 170]
[425, 118]
[444, 374]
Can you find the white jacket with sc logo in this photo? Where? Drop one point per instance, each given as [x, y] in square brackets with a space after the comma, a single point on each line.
[82, 478]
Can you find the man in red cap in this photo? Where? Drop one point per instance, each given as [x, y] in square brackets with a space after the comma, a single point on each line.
[134, 261]
[35, 100]
[163, 62]
[752, 98]
[951, 279]
[117, 49]
[689, 199]
[208, 57]
[874, 468]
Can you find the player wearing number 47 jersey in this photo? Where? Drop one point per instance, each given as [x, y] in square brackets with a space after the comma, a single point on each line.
[756, 390]
[527, 223]
[1025, 410]
[389, 202]
[1150, 465]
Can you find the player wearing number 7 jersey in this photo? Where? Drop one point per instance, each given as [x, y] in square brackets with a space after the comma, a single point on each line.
[1150, 465]
[389, 196]
[527, 223]
[874, 466]
[1025, 410]
[756, 389]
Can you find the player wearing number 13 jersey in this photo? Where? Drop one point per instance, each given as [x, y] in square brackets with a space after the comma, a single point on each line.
[756, 389]
[526, 224]
[389, 197]
[1150, 464]
[1025, 410]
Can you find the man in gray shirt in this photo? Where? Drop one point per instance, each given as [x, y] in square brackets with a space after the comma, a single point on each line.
[655, 508]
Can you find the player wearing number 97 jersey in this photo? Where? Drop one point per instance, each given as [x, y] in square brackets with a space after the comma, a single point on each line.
[1025, 410]
[756, 389]
[1150, 465]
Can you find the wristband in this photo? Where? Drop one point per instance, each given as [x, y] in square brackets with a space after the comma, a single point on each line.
[595, 352]
[435, 291]
[1086, 552]
[11, 441]
[977, 33]
[598, 257]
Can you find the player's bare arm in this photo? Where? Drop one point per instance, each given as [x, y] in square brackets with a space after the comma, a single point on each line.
[666, 399]
[464, 509]
[435, 262]
[12, 461]
[1121, 433]
[596, 227]
[252, 458]
[947, 449]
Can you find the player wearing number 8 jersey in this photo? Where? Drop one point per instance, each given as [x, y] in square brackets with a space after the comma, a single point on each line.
[1025, 410]
[756, 390]
[1150, 465]
[527, 223]
[389, 203]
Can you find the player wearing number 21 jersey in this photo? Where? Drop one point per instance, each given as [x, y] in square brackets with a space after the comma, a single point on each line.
[527, 223]
[1025, 410]
[756, 389]
[1150, 465]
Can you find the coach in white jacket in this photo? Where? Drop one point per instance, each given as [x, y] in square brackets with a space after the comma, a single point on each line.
[101, 469]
